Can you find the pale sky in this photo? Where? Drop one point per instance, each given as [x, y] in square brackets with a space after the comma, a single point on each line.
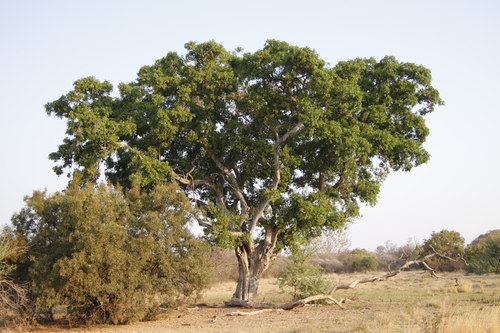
[47, 45]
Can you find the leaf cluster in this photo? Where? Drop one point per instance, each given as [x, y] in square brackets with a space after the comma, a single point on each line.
[448, 243]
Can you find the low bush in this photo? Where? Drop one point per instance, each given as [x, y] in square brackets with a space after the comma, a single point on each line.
[107, 256]
[301, 278]
[365, 264]
[446, 242]
[483, 254]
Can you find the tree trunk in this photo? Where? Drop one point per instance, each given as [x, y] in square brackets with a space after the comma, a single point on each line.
[252, 262]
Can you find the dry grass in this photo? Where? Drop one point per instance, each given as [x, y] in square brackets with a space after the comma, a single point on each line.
[412, 302]
[485, 320]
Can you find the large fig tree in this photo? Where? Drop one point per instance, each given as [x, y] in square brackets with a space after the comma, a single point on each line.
[272, 147]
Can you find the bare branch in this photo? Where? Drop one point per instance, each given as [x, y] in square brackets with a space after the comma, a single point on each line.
[329, 296]
[239, 313]
[384, 277]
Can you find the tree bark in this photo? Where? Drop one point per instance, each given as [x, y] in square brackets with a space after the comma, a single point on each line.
[252, 263]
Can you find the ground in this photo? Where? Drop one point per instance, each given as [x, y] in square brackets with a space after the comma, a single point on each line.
[410, 302]
[206, 319]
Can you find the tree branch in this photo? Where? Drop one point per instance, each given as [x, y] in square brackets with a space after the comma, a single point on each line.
[384, 277]
[276, 172]
[353, 284]
[233, 183]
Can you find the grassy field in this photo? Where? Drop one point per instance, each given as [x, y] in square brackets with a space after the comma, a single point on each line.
[410, 302]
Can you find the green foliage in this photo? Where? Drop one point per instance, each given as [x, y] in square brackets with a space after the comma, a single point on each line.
[365, 264]
[445, 242]
[5, 250]
[111, 257]
[275, 129]
[361, 260]
[483, 254]
[359, 252]
[300, 277]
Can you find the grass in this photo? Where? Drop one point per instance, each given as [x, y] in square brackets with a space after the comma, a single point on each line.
[411, 302]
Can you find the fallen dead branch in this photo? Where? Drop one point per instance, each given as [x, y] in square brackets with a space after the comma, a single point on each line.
[329, 296]
[353, 284]
[239, 313]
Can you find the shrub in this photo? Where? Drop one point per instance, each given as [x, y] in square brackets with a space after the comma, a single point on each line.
[356, 261]
[110, 257]
[446, 242]
[483, 254]
[301, 278]
[365, 264]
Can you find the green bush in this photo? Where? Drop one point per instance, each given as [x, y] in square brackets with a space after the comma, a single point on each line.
[356, 261]
[110, 257]
[300, 278]
[446, 242]
[483, 254]
[365, 264]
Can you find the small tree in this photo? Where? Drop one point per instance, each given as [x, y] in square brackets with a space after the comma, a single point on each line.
[483, 254]
[301, 277]
[445, 242]
[110, 257]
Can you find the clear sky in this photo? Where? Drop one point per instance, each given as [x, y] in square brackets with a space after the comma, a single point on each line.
[47, 45]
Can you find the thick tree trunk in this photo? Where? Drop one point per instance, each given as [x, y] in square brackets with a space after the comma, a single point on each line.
[252, 262]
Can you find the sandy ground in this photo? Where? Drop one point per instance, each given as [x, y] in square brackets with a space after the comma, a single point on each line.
[216, 319]
[410, 303]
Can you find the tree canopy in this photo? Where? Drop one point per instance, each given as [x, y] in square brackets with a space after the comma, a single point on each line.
[446, 242]
[272, 146]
